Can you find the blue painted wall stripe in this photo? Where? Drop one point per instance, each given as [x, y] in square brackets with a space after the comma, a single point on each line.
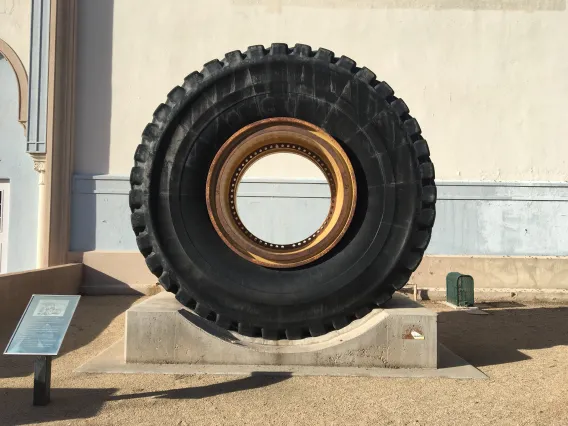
[473, 218]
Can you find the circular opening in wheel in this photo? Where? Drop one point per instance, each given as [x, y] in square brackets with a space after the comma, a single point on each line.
[283, 198]
[270, 137]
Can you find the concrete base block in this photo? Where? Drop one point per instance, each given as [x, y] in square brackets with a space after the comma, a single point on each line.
[402, 335]
[111, 361]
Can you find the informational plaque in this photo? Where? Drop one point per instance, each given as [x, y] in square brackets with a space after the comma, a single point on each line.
[43, 325]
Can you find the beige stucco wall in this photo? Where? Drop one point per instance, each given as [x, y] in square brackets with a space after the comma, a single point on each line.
[15, 26]
[489, 86]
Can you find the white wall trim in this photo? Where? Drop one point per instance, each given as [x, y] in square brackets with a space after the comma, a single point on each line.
[39, 75]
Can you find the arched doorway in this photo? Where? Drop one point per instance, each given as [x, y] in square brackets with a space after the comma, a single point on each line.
[17, 176]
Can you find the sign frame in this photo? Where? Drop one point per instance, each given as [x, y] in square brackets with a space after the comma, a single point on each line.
[73, 301]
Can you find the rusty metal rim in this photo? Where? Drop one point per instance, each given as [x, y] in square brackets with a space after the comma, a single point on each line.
[254, 142]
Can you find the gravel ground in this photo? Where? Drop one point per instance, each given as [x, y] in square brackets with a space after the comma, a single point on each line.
[522, 348]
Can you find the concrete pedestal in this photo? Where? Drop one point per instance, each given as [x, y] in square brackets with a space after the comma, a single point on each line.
[402, 335]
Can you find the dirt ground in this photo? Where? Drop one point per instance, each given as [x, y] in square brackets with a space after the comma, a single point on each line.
[522, 348]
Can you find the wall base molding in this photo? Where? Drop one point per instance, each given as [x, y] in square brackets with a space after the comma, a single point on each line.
[115, 273]
[496, 294]
[530, 278]
[16, 289]
[496, 272]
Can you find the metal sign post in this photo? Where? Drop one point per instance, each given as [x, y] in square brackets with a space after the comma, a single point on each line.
[40, 332]
[42, 380]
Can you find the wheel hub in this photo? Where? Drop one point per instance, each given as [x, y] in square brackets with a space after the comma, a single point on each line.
[267, 137]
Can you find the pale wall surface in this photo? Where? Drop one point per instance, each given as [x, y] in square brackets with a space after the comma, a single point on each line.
[18, 168]
[15, 26]
[284, 165]
[487, 80]
[489, 86]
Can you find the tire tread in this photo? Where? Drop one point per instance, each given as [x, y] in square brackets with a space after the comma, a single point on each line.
[424, 218]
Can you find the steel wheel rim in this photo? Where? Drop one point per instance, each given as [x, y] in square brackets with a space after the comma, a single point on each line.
[256, 141]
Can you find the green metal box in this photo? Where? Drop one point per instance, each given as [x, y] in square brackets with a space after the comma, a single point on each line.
[459, 289]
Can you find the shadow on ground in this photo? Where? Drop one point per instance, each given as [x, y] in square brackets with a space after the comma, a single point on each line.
[74, 404]
[66, 404]
[88, 322]
[254, 381]
[499, 338]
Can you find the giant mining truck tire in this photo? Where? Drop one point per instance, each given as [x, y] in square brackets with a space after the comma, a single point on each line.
[281, 99]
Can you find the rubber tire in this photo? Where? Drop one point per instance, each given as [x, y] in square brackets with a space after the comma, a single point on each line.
[393, 219]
